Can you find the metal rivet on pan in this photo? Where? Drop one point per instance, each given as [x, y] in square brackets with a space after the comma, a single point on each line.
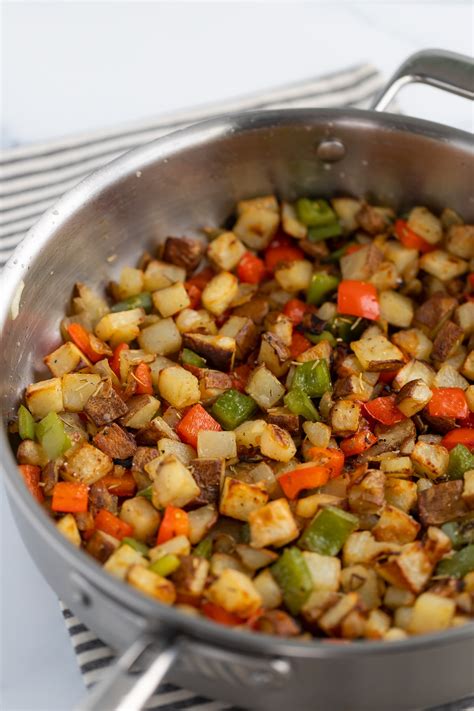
[331, 150]
[79, 597]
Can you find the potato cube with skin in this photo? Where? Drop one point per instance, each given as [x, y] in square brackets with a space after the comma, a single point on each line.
[68, 527]
[345, 417]
[377, 625]
[77, 389]
[410, 569]
[442, 265]
[184, 452]
[226, 251]
[425, 224]
[86, 464]
[325, 571]
[414, 370]
[171, 300]
[159, 275]
[402, 257]
[401, 467]
[431, 613]
[464, 317]
[65, 359]
[362, 264]
[268, 589]
[430, 460]
[224, 561]
[151, 584]
[243, 331]
[396, 308]
[219, 351]
[256, 227]
[190, 320]
[395, 526]
[264, 388]
[449, 338]
[294, 276]
[30, 452]
[277, 444]
[142, 516]
[401, 493]
[219, 292]
[272, 525]
[238, 499]
[216, 445]
[274, 354]
[377, 353]
[346, 210]
[235, 592]
[460, 241]
[161, 338]
[201, 520]
[249, 434]
[468, 490]
[173, 483]
[290, 222]
[264, 202]
[44, 397]
[122, 560]
[141, 410]
[414, 343]
[361, 547]
[413, 397]
[179, 387]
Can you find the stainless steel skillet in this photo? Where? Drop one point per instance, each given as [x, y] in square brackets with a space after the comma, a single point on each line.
[191, 178]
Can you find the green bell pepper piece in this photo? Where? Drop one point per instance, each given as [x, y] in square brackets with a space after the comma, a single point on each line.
[317, 234]
[143, 301]
[346, 328]
[189, 357]
[204, 548]
[136, 545]
[300, 404]
[26, 423]
[52, 436]
[232, 408]
[324, 336]
[314, 213]
[338, 253]
[461, 533]
[292, 575]
[312, 377]
[321, 285]
[459, 565]
[147, 492]
[460, 461]
[166, 565]
[328, 531]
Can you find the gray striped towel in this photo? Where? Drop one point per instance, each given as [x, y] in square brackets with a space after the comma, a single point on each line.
[32, 177]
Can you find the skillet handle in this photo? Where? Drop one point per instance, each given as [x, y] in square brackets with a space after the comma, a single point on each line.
[124, 689]
[436, 67]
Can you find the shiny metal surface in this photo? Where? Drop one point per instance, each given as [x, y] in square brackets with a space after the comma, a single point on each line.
[190, 179]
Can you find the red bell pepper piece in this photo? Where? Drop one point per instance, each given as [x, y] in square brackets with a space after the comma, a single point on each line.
[384, 410]
[251, 269]
[114, 362]
[201, 279]
[463, 435]
[299, 344]
[218, 614]
[295, 310]
[143, 379]
[352, 248]
[410, 239]
[240, 377]
[194, 294]
[358, 443]
[82, 339]
[120, 485]
[281, 249]
[448, 402]
[358, 298]
[175, 523]
[386, 376]
[69, 497]
[195, 420]
[113, 525]
[471, 280]
[328, 457]
[31, 476]
[306, 476]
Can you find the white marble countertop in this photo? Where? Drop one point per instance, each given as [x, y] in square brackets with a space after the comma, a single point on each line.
[73, 66]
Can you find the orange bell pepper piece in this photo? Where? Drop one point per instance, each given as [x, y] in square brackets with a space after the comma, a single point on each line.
[93, 348]
[113, 525]
[358, 443]
[31, 476]
[448, 402]
[175, 523]
[281, 249]
[194, 294]
[410, 239]
[328, 457]
[251, 269]
[120, 485]
[384, 410]
[218, 614]
[69, 497]
[114, 362]
[358, 298]
[195, 420]
[240, 377]
[306, 476]
[143, 379]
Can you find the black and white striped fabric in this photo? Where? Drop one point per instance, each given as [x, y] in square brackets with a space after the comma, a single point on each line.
[33, 177]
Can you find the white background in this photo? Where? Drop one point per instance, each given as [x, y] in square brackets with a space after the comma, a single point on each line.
[70, 66]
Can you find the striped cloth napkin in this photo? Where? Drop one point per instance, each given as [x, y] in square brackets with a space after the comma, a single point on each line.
[32, 177]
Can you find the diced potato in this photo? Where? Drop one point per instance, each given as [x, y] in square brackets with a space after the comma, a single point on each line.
[159, 275]
[431, 613]
[68, 527]
[467, 368]
[171, 300]
[184, 452]
[430, 460]
[142, 516]
[397, 466]
[243, 331]
[362, 580]
[219, 292]
[130, 283]
[122, 560]
[362, 264]
[253, 558]
[87, 302]
[201, 521]
[129, 358]
[77, 389]
[219, 351]
[65, 359]
[281, 326]
[256, 227]
[468, 490]
[120, 327]
[346, 210]
[469, 393]
[179, 545]
[151, 584]
[141, 410]
[457, 359]
[274, 354]
[226, 251]
[410, 569]
[398, 597]
[396, 309]
[294, 276]
[464, 317]
[161, 338]
[354, 388]
[30, 452]
[377, 625]
[268, 589]
[102, 368]
[413, 397]
[367, 495]
[263, 474]
[249, 433]
[216, 445]
[238, 499]
[345, 417]
[318, 433]
[425, 224]
[44, 397]
[402, 617]
[361, 547]
[272, 525]
[331, 620]
[264, 388]
[235, 592]
[402, 257]
[173, 483]
[460, 241]
[448, 377]
[414, 370]
[386, 277]
[377, 353]
[413, 343]
[290, 222]
[86, 464]
[265, 202]
[442, 265]
[325, 570]
[200, 321]
[395, 526]
[179, 387]
[308, 506]
[401, 493]
[224, 561]
[277, 444]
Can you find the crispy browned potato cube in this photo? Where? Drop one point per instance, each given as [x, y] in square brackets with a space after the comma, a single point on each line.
[238, 499]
